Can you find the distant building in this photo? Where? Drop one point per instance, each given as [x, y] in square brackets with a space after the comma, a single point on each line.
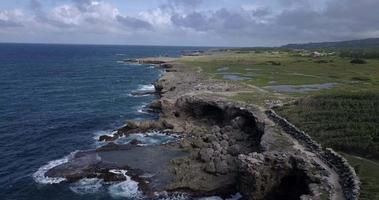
[316, 54]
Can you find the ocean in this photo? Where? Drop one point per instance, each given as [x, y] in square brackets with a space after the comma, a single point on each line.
[57, 99]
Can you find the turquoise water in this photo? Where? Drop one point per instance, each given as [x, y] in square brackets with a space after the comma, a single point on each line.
[55, 99]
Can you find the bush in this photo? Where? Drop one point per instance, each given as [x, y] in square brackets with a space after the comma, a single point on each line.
[358, 61]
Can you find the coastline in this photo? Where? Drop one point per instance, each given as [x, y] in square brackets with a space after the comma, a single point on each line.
[231, 146]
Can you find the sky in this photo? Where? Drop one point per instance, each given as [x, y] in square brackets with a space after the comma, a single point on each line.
[187, 22]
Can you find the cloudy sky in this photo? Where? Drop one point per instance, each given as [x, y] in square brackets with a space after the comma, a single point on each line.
[187, 22]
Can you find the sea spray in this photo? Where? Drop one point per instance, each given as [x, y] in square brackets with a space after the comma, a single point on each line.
[39, 175]
[87, 186]
[125, 189]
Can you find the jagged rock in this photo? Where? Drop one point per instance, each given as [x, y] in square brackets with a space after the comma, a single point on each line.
[108, 147]
[111, 177]
[235, 149]
[206, 154]
[209, 138]
[166, 65]
[238, 122]
[216, 130]
[227, 130]
[273, 175]
[135, 142]
[225, 137]
[167, 125]
[197, 143]
[132, 124]
[210, 167]
[239, 136]
[106, 138]
[216, 146]
[171, 70]
[155, 105]
[221, 166]
[224, 144]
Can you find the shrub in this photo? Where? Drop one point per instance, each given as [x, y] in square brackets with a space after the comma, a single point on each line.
[358, 61]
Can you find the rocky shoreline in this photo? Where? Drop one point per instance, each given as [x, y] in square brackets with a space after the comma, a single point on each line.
[225, 147]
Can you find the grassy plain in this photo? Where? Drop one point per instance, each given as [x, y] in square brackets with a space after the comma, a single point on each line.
[344, 117]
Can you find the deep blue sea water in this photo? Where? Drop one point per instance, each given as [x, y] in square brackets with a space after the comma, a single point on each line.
[54, 99]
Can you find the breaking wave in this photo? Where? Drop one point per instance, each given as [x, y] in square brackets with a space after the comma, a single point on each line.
[39, 175]
[125, 189]
[87, 186]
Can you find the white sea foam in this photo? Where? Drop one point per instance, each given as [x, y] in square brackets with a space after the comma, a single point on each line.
[87, 186]
[39, 175]
[141, 109]
[125, 189]
[97, 134]
[211, 198]
[151, 138]
[164, 195]
[235, 197]
[149, 87]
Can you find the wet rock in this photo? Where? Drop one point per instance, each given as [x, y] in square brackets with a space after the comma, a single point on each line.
[143, 93]
[111, 177]
[109, 147]
[171, 70]
[166, 66]
[135, 142]
[106, 138]
[155, 106]
[132, 124]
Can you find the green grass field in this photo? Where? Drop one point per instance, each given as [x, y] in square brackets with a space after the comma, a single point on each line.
[263, 69]
[345, 117]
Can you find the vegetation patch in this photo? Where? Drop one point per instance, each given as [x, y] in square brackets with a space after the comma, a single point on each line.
[358, 61]
[368, 172]
[345, 122]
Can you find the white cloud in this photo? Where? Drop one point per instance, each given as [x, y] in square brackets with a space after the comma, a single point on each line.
[189, 22]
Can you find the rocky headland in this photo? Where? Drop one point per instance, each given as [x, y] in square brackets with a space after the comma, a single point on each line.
[222, 147]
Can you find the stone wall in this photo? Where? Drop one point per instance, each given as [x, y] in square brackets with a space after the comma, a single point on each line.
[348, 178]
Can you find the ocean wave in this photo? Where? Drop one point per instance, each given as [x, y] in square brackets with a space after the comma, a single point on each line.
[151, 138]
[39, 175]
[143, 90]
[97, 134]
[125, 189]
[87, 186]
[149, 87]
[177, 196]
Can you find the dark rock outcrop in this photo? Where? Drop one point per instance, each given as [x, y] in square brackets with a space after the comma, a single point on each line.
[349, 180]
[276, 175]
